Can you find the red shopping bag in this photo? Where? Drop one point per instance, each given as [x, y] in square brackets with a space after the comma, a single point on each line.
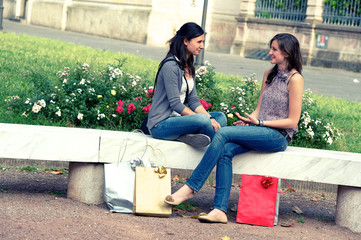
[258, 200]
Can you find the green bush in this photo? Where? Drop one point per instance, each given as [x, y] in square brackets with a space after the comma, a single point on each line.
[112, 99]
[83, 97]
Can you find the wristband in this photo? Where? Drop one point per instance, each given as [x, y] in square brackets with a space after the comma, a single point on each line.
[260, 123]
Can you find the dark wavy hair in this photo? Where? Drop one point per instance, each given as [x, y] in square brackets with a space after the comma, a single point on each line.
[289, 45]
[177, 48]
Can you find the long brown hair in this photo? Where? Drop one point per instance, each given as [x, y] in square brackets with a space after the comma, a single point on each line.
[177, 47]
[289, 45]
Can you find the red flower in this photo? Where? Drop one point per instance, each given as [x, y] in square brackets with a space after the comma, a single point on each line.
[131, 107]
[233, 107]
[150, 93]
[146, 109]
[205, 104]
[120, 103]
[120, 106]
[139, 99]
[119, 109]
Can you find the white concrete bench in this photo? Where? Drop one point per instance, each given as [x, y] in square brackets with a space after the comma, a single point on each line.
[88, 149]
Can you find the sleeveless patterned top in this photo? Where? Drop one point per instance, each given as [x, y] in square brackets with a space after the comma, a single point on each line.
[275, 100]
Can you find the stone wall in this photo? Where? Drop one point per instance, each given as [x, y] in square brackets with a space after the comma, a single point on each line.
[120, 21]
[342, 49]
[151, 22]
[9, 8]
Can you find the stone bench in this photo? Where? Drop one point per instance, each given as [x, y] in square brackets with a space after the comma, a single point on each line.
[87, 150]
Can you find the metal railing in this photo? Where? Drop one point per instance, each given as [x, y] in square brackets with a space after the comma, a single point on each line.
[345, 13]
[291, 10]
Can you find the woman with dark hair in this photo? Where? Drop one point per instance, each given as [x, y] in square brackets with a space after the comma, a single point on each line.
[268, 129]
[169, 118]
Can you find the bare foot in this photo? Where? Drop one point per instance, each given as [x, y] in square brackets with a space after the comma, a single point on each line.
[183, 194]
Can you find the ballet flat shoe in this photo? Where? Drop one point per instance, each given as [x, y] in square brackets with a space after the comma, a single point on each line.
[169, 200]
[212, 219]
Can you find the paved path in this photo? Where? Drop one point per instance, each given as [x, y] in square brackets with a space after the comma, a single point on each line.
[329, 82]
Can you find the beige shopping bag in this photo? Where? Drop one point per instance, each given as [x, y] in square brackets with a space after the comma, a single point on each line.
[150, 190]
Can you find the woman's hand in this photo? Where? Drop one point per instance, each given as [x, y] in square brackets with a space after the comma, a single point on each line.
[215, 124]
[245, 121]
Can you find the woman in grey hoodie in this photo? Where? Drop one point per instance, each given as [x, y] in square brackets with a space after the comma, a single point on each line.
[176, 112]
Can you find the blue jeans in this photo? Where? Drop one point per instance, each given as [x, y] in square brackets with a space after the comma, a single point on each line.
[173, 127]
[228, 142]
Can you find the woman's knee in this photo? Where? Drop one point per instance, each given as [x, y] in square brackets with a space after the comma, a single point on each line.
[202, 119]
[220, 117]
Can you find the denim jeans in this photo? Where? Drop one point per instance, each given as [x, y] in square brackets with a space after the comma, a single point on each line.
[228, 142]
[173, 127]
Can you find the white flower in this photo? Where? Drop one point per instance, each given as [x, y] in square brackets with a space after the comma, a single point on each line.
[329, 140]
[42, 103]
[202, 70]
[27, 101]
[79, 90]
[85, 65]
[134, 83]
[114, 115]
[82, 82]
[80, 116]
[58, 113]
[310, 132]
[117, 71]
[100, 116]
[36, 108]
[65, 81]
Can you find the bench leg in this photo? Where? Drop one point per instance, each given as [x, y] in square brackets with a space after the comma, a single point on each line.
[86, 182]
[348, 208]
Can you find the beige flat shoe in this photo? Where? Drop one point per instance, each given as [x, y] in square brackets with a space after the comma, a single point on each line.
[169, 200]
[212, 219]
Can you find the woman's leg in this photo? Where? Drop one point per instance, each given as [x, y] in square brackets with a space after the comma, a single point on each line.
[242, 140]
[228, 142]
[220, 118]
[172, 128]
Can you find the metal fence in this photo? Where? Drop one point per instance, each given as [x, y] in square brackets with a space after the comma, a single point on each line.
[345, 13]
[291, 10]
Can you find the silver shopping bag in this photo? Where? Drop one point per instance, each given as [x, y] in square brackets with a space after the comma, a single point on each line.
[119, 186]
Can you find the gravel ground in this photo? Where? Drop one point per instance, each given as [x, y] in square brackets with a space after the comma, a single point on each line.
[33, 205]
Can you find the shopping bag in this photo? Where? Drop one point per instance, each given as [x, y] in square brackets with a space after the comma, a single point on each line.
[119, 186]
[258, 200]
[152, 185]
[119, 180]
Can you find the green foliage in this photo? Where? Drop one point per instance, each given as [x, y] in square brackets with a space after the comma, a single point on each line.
[313, 130]
[187, 205]
[301, 220]
[28, 168]
[83, 97]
